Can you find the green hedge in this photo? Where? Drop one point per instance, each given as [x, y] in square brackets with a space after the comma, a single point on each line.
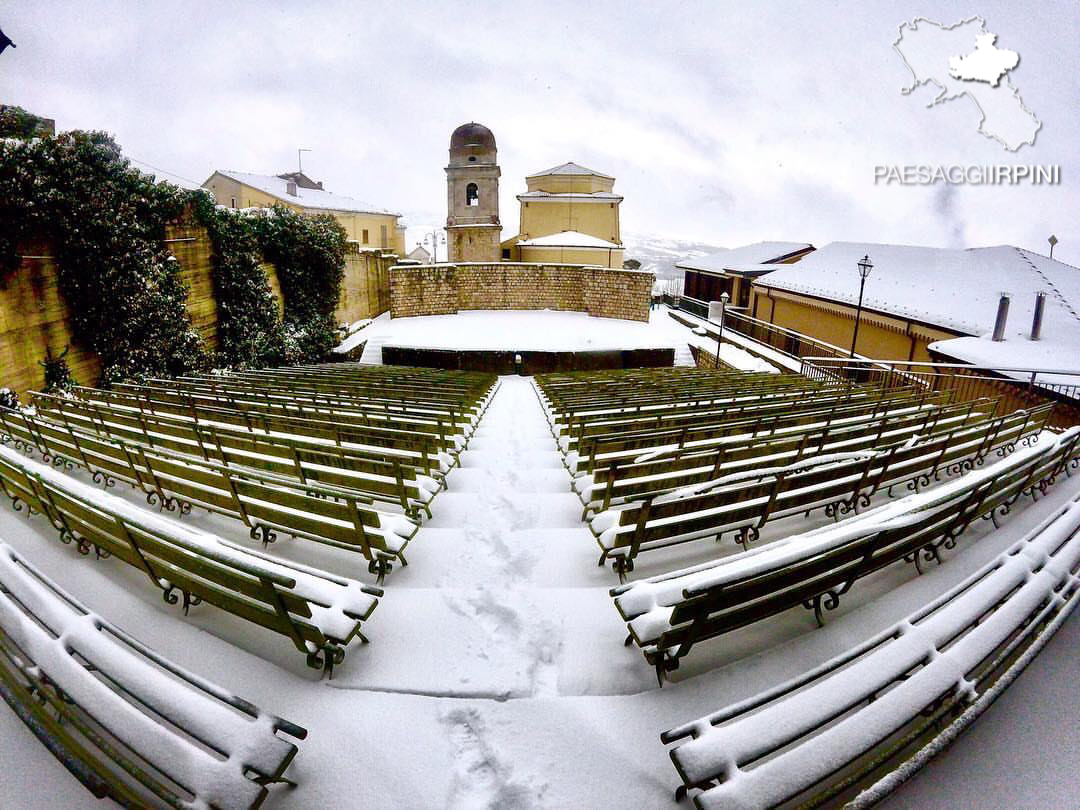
[105, 222]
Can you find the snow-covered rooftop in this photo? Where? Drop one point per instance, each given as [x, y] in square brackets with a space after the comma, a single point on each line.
[578, 195]
[758, 254]
[956, 290]
[571, 168]
[569, 239]
[306, 197]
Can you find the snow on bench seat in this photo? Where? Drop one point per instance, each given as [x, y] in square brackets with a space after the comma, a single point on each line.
[820, 734]
[101, 701]
[319, 611]
[669, 613]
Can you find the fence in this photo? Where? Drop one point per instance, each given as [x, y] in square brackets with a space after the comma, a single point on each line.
[964, 382]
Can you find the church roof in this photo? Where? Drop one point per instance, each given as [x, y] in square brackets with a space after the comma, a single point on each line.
[574, 239]
[577, 195]
[305, 197]
[571, 168]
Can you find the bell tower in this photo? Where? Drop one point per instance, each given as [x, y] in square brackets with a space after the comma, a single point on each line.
[473, 230]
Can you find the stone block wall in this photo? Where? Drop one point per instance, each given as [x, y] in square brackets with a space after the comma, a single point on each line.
[444, 289]
[34, 317]
[365, 290]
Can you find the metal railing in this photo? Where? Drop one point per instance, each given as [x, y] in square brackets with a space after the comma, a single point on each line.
[965, 382]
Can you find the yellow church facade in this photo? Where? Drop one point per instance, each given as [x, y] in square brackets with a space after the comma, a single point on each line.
[366, 224]
[569, 215]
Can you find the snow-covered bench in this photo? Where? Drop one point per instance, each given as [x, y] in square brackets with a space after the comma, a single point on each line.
[421, 398]
[594, 450]
[126, 722]
[263, 501]
[847, 728]
[405, 477]
[667, 615]
[442, 428]
[320, 426]
[467, 392]
[603, 409]
[744, 502]
[318, 611]
[668, 467]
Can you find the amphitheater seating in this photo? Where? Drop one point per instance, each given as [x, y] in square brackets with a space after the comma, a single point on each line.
[826, 736]
[665, 468]
[744, 502]
[669, 614]
[126, 722]
[390, 476]
[263, 501]
[320, 613]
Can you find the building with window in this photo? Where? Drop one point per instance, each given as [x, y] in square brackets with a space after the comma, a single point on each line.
[365, 224]
[927, 303]
[733, 271]
[569, 214]
[473, 229]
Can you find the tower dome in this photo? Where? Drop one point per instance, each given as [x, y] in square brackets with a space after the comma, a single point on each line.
[472, 143]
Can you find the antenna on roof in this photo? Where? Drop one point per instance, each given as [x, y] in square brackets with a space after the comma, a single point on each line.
[299, 160]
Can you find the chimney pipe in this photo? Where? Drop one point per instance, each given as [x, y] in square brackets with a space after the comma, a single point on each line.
[1002, 315]
[1036, 322]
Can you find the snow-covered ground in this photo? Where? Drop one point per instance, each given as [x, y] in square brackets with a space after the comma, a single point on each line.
[496, 676]
[539, 330]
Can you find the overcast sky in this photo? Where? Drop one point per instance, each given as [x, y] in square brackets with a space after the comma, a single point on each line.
[723, 123]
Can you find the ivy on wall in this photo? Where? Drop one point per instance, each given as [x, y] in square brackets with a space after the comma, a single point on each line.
[105, 222]
[250, 331]
[308, 253]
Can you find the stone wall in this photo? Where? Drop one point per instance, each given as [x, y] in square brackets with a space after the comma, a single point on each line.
[365, 290]
[444, 289]
[34, 319]
[34, 316]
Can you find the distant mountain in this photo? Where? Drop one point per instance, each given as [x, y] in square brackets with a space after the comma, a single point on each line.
[658, 254]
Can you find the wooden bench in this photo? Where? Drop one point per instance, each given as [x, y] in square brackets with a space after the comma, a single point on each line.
[669, 614]
[319, 612]
[840, 483]
[851, 724]
[321, 427]
[663, 469]
[124, 721]
[699, 430]
[389, 476]
[263, 501]
[392, 413]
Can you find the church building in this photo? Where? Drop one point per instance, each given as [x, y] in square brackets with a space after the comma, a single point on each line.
[569, 214]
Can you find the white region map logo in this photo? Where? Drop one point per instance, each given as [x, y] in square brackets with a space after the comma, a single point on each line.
[964, 60]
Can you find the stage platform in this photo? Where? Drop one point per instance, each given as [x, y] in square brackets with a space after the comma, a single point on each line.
[518, 341]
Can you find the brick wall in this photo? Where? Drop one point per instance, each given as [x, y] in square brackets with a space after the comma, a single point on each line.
[447, 288]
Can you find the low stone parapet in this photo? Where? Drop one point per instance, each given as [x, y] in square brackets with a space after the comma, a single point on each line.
[444, 289]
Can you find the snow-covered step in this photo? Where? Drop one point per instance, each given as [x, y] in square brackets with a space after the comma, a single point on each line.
[683, 355]
[372, 355]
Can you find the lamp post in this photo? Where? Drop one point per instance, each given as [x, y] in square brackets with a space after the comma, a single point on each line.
[434, 240]
[864, 270]
[724, 298]
[1053, 240]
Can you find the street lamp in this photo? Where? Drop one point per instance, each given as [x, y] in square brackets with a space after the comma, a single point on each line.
[864, 270]
[1053, 240]
[434, 239]
[724, 298]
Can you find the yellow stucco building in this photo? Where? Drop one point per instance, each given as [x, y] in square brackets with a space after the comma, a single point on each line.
[365, 224]
[569, 214]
